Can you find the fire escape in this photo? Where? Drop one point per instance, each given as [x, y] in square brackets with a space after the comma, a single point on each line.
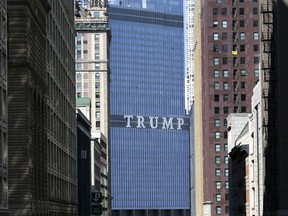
[269, 108]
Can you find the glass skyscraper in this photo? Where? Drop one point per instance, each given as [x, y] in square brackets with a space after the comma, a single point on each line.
[149, 133]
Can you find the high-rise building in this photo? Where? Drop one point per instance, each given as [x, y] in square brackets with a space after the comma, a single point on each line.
[149, 130]
[230, 68]
[62, 144]
[274, 107]
[93, 81]
[189, 20]
[83, 163]
[41, 109]
[3, 111]
[92, 65]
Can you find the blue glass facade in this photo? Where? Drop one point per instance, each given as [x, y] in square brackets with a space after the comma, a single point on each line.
[163, 6]
[149, 167]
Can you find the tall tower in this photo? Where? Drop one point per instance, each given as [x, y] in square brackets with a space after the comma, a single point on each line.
[149, 130]
[230, 68]
[93, 79]
[61, 109]
[3, 112]
[189, 20]
[41, 108]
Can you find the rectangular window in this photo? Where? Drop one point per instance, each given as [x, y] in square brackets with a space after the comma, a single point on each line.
[225, 123]
[226, 173]
[224, 12]
[97, 66]
[97, 123]
[242, 60]
[226, 184]
[216, 61]
[243, 72]
[225, 73]
[97, 56]
[218, 185]
[96, 37]
[216, 110]
[256, 47]
[217, 160]
[78, 54]
[215, 11]
[256, 73]
[97, 95]
[255, 35]
[79, 66]
[242, 23]
[226, 197]
[96, 14]
[97, 85]
[215, 48]
[224, 36]
[216, 98]
[217, 135]
[217, 172]
[224, 24]
[256, 60]
[216, 85]
[226, 209]
[226, 159]
[242, 36]
[255, 11]
[218, 197]
[242, 48]
[224, 47]
[97, 114]
[217, 122]
[215, 24]
[243, 85]
[216, 73]
[225, 60]
[226, 147]
[243, 109]
[97, 104]
[225, 110]
[255, 23]
[215, 36]
[217, 148]
[241, 11]
[219, 1]
[218, 210]
[225, 97]
[225, 85]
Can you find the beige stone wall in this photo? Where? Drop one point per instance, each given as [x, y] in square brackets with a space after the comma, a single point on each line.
[198, 113]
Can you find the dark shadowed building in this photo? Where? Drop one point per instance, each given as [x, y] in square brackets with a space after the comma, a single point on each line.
[41, 108]
[3, 112]
[84, 163]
